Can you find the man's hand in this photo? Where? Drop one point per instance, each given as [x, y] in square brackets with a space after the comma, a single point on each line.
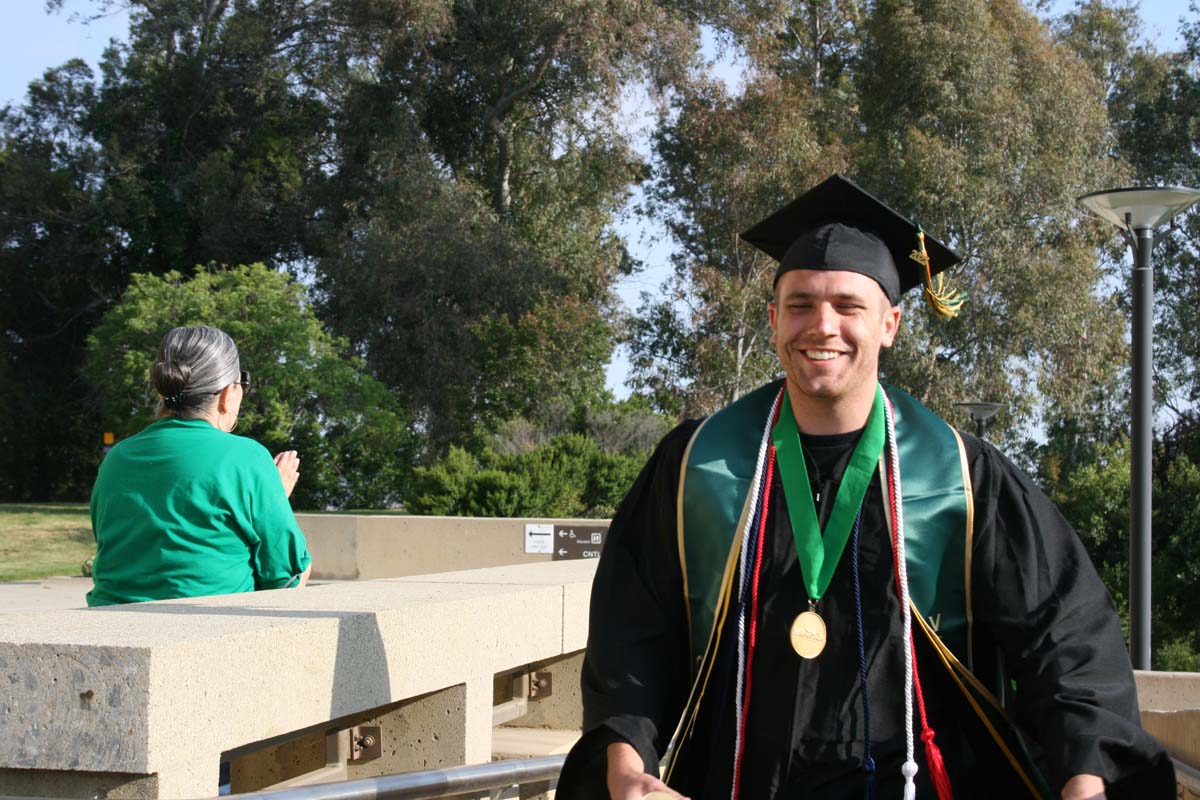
[626, 778]
[288, 464]
[1084, 787]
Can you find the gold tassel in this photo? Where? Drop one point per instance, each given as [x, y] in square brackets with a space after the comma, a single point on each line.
[944, 300]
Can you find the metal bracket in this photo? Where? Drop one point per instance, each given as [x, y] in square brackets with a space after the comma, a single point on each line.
[541, 685]
[366, 742]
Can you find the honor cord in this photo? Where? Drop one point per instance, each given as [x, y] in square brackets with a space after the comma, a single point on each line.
[909, 768]
[868, 761]
[750, 552]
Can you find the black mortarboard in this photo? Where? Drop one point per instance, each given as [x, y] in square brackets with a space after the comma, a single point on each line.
[838, 225]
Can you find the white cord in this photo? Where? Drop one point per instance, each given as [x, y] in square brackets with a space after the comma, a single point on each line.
[909, 768]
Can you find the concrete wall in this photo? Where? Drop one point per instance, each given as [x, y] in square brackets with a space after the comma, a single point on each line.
[142, 700]
[354, 547]
[1170, 705]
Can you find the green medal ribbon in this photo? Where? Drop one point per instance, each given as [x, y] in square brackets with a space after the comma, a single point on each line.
[819, 554]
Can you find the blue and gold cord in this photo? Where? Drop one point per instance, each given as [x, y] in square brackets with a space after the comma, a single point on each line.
[868, 761]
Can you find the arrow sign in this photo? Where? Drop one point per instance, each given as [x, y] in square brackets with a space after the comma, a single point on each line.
[539, 538]
[579, 541]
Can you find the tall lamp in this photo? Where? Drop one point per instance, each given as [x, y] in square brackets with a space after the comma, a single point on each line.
[980, 413]
[1137, 211]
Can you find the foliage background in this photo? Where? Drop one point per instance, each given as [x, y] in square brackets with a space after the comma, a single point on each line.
[428, 194]
[352, 434]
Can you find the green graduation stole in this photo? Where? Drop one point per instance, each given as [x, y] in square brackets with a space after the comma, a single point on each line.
[715, 502]
[718, 468]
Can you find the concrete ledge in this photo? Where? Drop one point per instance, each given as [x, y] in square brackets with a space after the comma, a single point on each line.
[366, 547]
[532, 742]
[1167, 691]
[164, 688]
[1170, 706]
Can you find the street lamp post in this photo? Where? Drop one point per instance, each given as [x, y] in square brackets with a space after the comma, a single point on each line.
[980, 413]
[1137, 211]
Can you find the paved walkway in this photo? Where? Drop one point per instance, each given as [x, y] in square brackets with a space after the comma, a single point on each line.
[47, 594]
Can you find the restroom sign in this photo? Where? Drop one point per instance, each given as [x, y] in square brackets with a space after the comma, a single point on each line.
[578, 541]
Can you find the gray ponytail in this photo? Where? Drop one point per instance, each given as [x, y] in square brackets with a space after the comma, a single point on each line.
[192, 366]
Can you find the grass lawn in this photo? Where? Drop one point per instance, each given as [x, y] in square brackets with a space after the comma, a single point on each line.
[43, 539]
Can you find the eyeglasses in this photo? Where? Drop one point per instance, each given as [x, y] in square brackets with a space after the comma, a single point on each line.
[242, 381]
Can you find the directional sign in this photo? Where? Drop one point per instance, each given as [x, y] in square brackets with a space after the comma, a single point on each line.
[539, 537]
[578, 541]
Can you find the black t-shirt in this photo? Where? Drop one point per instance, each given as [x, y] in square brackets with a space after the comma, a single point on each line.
[825, 458]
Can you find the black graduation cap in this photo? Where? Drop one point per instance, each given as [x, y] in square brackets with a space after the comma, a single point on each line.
[838, 225]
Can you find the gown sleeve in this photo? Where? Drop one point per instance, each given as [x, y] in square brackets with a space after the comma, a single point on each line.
[1041, 601]
[635, 676]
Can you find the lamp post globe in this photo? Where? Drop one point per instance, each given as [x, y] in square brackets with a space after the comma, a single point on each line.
[980, 413]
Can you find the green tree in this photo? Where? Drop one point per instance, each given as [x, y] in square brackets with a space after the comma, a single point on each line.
[568, 476]
[967, 115]
[59, 265]
[985, 131]
[580, 464]
[353, 438]
[467, 250]
[446, 174]
[1094, 497]
[192, 147]
[723, 164]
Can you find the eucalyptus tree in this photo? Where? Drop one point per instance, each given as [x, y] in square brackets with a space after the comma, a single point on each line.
[723, 163]
[445, 173]
[468, 248]
[966, 114]
[985, 130]
[190, 146]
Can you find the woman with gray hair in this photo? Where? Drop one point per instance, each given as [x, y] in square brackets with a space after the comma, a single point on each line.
[184, 508]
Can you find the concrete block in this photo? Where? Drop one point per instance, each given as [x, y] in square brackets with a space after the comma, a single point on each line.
[577, 598]
[333, 544]
[69, 707]
[71, 783]
[563, 709]
[281, 762]
[574, 578]
[511, 742]
[1179, 732]
[367, 547]
[174, 684]
[1167, 691]
[426, 732]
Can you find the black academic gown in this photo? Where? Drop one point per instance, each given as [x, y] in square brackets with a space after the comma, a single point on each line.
[1039, 608]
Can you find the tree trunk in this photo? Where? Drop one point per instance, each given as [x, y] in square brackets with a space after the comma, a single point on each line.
[502, 193]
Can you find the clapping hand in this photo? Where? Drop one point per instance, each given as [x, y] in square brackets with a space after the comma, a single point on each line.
[288, 464]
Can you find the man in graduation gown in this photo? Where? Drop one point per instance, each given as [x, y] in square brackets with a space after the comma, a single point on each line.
[750, 598]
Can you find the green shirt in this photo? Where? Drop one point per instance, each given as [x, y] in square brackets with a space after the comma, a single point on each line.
[184, 510]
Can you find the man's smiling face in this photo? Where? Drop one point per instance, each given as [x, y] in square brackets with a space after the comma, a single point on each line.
[828, 329]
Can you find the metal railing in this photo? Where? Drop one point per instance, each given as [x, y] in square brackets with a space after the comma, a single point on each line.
[439, 783]
[426, 785]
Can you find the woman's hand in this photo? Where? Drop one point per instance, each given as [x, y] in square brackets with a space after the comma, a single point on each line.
[626, 778]
[288, 464]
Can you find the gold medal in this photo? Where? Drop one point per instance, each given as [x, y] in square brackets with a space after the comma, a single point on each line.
[808, 634]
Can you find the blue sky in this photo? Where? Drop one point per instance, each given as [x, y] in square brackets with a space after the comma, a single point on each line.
[32, 41]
